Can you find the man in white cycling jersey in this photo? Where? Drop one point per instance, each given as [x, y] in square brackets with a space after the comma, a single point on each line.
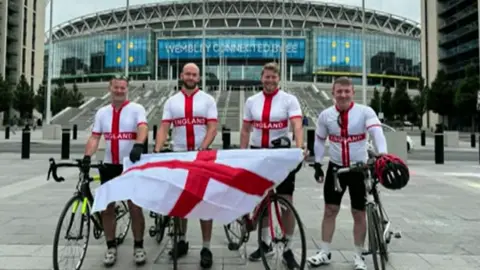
[193, 114]
[124, 126]
[345, 124]
[267, 115]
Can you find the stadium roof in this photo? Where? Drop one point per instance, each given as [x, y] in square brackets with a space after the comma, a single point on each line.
[181, 15]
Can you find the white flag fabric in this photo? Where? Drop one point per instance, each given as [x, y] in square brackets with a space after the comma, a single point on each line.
[221, 185]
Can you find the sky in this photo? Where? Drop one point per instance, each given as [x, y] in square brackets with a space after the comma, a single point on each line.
[65, 10]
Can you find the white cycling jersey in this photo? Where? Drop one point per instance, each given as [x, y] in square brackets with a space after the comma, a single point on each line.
[347, 133]
[189, 116]
[269, 114]
[119, 128]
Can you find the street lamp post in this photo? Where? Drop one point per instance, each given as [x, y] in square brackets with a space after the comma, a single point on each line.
[48, 109]
[283, 64]
[127, 40]
[204, 82]
[364, 58]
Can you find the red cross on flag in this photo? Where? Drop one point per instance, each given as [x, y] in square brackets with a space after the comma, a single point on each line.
[221, 185]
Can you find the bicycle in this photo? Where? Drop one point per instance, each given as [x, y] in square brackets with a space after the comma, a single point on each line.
[378, 223]
[248, 224]
[82, 197]
[166, 223]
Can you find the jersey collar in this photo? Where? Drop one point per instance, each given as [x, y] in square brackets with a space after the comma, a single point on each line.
[271, 94]
[121, 106]
[191, 95]
[348, 109]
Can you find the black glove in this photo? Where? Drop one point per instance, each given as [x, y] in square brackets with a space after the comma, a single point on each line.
[136, 152]
[318, 172]
[86, 161]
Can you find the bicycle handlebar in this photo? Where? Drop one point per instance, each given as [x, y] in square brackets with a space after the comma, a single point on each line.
[54, 166]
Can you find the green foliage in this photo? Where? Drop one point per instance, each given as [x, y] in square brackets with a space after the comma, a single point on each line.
[401, 102]
[40, 98]
[24, 98]
[62, 97]
[7, 95]
[466, 94]
[386, 104]
[375, 101]
[441, 97]
[76, 97]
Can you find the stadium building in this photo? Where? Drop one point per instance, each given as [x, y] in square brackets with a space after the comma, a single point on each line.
[323, 41]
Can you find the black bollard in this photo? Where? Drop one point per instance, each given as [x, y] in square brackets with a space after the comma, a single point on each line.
[65, 143]
[311, 141]
[154, 135]
[145, 146]
[472, 140]
[226, 138]
[7, 133]
[75, 130]
[422, 138]
[439, 147]
[26, 143]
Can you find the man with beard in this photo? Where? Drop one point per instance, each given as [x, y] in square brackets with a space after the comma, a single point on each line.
[266, 116]
[193, 114]
[124, 126]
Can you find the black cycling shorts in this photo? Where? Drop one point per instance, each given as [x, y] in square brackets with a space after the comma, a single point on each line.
[287, 187]
[109, 171]
[356, 188]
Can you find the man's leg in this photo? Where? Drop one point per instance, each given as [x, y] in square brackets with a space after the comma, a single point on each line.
[332, 200]
[357, 197]
[138, 230]
[206, 257]
[108, 218]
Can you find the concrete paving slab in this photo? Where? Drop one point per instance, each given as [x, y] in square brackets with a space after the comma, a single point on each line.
[435, 214]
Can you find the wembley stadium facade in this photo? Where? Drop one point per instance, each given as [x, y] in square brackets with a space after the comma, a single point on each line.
[323, 41]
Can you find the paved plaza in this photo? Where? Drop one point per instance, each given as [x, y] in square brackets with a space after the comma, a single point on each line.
[436, 213]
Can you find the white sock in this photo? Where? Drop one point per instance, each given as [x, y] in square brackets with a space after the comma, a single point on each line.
[358, 251]
[325, 247]
[266, 237]
[206, 245]
[289, 241]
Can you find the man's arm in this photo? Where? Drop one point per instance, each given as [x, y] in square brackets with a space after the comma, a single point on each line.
[374, 128]
[94, 139]
[320, 138]
[212, 116]
[246, 126]
[162, 133]
[295, 116]
[142, 126]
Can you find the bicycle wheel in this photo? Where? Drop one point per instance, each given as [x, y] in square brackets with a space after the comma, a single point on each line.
[374, 237]
[123, 221]
[384, 241]
[236, 239]
[74, 206]
[281, 204]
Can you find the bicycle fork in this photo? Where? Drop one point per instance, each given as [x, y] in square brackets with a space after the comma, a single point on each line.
[83, 212]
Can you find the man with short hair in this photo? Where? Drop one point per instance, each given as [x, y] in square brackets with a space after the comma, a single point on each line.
[124, 126]
[193, 114]
[267, 115]
[345, 124]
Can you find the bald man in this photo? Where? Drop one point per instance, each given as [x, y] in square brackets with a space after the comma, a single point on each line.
[193, 114]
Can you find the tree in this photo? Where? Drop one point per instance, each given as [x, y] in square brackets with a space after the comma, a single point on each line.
[6, 99]
[401, 102]
[375, 101]
[387, 103]
[441, 97]
[24, 98]
[60, 98]
[40, 99]
[76, 97]
[466, 95]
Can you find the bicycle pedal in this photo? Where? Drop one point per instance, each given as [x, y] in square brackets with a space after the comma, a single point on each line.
[398, 235]
[152, 231]
[153, 215]
[233, 246]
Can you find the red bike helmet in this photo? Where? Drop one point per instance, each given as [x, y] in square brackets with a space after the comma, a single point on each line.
[392, 172]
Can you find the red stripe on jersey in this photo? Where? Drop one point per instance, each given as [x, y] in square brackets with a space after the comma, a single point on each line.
[190, 131]
[115, 132]
[267, 107]
[344, 134]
